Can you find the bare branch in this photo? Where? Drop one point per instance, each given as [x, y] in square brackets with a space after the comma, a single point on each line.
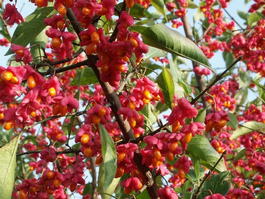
[217, 78]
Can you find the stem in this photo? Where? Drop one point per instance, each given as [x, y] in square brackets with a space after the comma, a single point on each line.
[251, 129]
[115, 105]
[139, 139]
[206, 177]
[111, 96]
[57, 116]
[57, 152]
[231, 17]
[59, 62]
[94, 177]
[189, 35]
[217, 78]
[63, 69]
[115, 32]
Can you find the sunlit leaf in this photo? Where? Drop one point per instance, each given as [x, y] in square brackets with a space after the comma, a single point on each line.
[8, 167]
[253, 18]
[154, 52]
[84, 76]
[88, 189]
[159, 6]
[201, 116]
[143, 195]
[149, 114]
[232, 120]
[162, 37]
[108, 167]
[215, 184]
[27, 31]
[165, 82]
[181, 86]
[247, 128]
[200, 148]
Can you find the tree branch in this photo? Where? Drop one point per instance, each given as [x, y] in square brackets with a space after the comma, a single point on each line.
[231, 17]
[115, 32]
[63, 69]
[57, 152]
[189, 35]
[94, 177]
[115, 105]
[217, 78]
[50, 63]
[141, 138]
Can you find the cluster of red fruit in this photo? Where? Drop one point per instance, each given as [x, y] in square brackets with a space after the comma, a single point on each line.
[27, 98]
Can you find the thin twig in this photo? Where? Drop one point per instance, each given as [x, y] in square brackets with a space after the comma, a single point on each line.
[54, 63]
[217, 78]
[231, 17]
[251, 129]
[115, 32]
[63, 69]
[94, 177]
[206, 177]
[139, 139]
[57, 152]
[56, 117]
[205, 33]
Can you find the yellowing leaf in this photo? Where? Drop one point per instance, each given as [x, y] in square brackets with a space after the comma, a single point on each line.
[7, 168]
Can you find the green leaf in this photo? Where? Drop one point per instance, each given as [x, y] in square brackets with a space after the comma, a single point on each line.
[240, 155]
[260, 88]
[200, 148]
[84, 76]
[149, 114]
[198, 170]
[111, 188]
[242, 96]
[247, 128]
[4, 30]
[27, 31]
[244, 79]
[216, 184]
[181, 87]
[149, 68]
[143, 195]
[108, 168]
[165, 82]
[232, 120]
[154, 52]
[253, 18]
[38, 42]
[192, 5]
[139, 11]
[8, 167]
[228, 58]
[162, 37]
[201, 116]
[242, 15]
[88, 189]
[159, 6]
